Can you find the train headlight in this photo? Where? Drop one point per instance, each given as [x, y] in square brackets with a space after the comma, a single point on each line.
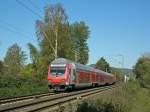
[50, 80]
[67, 83]
[63, 80]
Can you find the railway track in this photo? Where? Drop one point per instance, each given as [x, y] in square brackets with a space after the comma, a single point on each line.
[4, 101]
[42, 103]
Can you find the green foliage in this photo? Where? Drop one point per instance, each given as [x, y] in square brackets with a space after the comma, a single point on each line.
[142, 66]
[14, 60]
[11, 86]
[103, 65]
[53, 36]
[35, 58]
[28, 70]
[128, 97]
[139, 97]
[117, 73]
[57, 38]
[142, 70]
[146, 80]
[1, 68]
[54, 29]
[133, 97]
[85, 106]
[80, 34]
[34, 54]
[99, 106]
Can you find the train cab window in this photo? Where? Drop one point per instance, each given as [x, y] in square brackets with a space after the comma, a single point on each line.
[59, 71]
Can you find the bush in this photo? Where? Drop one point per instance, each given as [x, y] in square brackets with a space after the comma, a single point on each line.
[128, 97]
[28, 70]
[99, 106]
[11, 85]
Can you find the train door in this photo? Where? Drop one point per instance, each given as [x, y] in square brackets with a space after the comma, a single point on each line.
[72, 74]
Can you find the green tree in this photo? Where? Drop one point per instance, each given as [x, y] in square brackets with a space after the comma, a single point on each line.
[34, 56]
[14, 60]
[142, 70]
[37, 67]
[80, 34]
[118, 73]
[103, 65]
[57, 38]
[142, 66]
[53, 34]
[53, 31]
[1, 68]
[34, 53]
[28, 70]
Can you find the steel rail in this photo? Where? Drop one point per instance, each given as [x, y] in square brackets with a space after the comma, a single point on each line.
[63, 100]
[7, 98]
[16, 99]
[52, 98]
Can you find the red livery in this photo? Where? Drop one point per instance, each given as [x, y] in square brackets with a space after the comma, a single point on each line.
[65, 74]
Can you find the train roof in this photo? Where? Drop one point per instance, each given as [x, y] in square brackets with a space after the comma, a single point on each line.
[78, 66]
[61, 61]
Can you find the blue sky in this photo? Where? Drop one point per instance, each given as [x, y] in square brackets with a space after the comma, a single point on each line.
[117, 27]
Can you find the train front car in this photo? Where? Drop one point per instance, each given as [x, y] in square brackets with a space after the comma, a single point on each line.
[58, 75]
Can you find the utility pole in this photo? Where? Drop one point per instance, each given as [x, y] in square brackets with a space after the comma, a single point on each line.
[56, 43]
[76, 56]
[106, 69]
[122, 63]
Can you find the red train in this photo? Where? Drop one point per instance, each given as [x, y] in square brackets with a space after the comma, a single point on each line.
[65, 74]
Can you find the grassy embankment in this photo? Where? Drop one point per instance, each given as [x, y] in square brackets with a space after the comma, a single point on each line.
[11, 86]
[129, 97]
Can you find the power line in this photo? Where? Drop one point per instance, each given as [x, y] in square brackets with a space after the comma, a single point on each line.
[22, 4]
[35, 13]
[14, 27]
[15, 31]
[34, 5]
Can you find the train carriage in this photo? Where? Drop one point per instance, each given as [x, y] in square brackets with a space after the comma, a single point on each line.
[65, 74]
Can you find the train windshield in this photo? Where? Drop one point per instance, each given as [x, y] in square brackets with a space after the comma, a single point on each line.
[58, 71]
